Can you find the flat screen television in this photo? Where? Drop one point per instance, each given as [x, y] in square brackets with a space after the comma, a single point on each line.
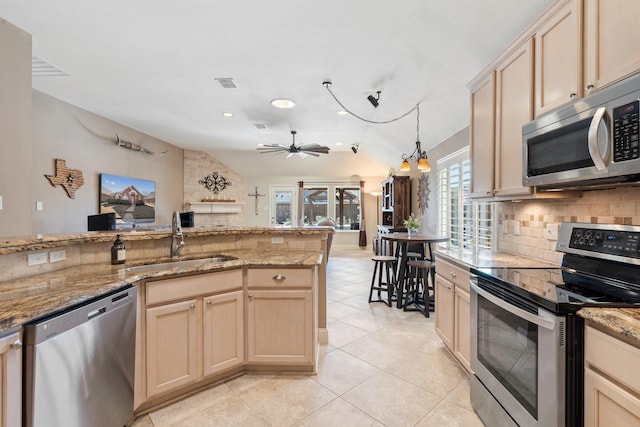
[132, 200]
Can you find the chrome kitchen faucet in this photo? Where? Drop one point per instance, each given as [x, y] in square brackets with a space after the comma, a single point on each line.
[176, 231]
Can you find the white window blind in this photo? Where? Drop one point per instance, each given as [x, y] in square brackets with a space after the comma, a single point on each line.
[468, 224]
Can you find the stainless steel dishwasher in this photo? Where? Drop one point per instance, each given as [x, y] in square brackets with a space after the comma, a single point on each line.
[79, 364]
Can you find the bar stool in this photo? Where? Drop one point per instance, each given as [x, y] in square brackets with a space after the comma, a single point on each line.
[417, 288]
[387, 265]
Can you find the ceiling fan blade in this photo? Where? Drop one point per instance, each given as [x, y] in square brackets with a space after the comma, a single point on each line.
[317, 149]
[311, 153]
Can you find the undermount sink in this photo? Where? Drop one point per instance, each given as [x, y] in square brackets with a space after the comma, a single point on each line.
[179, 263]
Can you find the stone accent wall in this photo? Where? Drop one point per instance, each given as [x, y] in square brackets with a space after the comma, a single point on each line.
[198, 165]
[527, 228]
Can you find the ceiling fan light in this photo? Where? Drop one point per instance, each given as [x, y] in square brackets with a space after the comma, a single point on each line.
[405, 166]
[283, 103]
[423, 164]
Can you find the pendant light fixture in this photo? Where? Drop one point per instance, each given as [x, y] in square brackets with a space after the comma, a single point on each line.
[419, 156]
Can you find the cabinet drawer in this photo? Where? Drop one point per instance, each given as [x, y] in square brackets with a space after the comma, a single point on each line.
[459, 276]
[280, 278]
[178, 288]
[615, 358]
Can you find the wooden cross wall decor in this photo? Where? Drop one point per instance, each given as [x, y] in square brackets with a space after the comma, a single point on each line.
[70, 179]
[255, 194]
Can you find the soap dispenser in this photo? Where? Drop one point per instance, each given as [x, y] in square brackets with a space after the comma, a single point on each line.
[118, 251]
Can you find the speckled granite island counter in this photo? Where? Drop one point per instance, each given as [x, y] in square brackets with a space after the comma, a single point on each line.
[28, 292]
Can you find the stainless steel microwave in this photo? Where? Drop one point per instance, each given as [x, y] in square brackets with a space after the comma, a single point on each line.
[593, 142]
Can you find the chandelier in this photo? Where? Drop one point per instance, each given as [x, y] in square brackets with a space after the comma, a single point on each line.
[419, 156]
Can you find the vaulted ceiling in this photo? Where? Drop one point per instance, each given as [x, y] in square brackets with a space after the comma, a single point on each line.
[152, 65]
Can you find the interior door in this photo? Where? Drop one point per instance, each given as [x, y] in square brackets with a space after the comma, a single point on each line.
[283, 205]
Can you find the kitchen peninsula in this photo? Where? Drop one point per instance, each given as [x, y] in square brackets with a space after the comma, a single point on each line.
[260, 265]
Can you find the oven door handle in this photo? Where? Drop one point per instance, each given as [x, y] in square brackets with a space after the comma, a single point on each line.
[547, 322]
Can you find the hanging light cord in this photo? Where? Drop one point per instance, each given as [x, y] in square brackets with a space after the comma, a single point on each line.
[327, 85]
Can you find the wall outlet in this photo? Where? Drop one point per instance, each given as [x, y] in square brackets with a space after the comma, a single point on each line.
[0, 203]
[57, 256]
[551, 232]
[505, 227]
[39, 206]
[516, 228]
[37, 258]
[277, 240]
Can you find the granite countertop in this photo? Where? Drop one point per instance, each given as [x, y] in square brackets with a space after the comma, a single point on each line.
[490, 259]
[622, 323]
[9, 245]
[27, 298]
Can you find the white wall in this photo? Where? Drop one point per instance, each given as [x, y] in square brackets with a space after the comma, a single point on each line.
[15, 146]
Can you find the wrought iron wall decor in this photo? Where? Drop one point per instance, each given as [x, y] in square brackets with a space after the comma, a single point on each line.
[423, 193]
[215, 182]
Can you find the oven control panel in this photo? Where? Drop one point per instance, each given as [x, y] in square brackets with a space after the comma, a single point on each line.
[614, 242]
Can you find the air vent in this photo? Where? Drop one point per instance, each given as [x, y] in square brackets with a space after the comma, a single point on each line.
[42, 68]
[261, 126]
[227, 82]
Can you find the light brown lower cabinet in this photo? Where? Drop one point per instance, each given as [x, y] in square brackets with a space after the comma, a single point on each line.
[453, 310]
[11, 385]
[194, 328]
[612, 381]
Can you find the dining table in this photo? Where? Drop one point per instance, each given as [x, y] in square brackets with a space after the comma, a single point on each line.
[400, 241]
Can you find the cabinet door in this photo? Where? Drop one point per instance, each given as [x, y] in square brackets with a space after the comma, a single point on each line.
[11, 381]
[223, 332]
[483, 137]
[280, 326]
[172, 346]
[462, 320]
[558, 59]
[612, 41]
[444, 311]
[607, 404]
[514, 108]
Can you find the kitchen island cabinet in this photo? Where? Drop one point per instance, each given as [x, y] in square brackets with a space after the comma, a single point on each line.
[11, 377]
[281, 318]
[612, 381]
[193, 328]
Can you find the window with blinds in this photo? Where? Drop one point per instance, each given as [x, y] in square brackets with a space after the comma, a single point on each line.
[468, 224]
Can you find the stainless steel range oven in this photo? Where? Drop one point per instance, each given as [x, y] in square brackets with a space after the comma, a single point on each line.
[526, 338]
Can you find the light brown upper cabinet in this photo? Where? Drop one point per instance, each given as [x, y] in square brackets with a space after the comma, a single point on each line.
[558, 58]
[514, 107]
[612, 41]
[482, 136]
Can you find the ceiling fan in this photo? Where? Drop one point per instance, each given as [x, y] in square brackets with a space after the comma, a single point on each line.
[299, 150]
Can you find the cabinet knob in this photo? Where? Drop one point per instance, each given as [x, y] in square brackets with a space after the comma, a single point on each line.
[453, 273]
[572, 95]
[192, 306]
[16, 345]
[279, 277]
[589, 86]
[250, 295]
[209, 302]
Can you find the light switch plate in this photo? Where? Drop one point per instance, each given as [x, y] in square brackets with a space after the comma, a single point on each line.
[516, 228]
[37, 258]
[0, 203]
[57, 256]
[551, 232]
[38, 206]
[277, 240]
[505, 226]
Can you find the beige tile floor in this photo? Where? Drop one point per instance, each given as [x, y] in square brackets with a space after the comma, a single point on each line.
[382, 367]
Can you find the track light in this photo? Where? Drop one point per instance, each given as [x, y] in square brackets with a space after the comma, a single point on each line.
[374, 101]
[354, 148]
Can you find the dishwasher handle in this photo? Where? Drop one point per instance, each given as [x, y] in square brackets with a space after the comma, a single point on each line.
[97, 312]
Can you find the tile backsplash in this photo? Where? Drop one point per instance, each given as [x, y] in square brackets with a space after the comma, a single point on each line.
[529, 228]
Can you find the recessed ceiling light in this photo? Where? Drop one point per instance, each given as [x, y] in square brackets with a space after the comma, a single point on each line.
[283, 103]
[342, 112]
[227, 114]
